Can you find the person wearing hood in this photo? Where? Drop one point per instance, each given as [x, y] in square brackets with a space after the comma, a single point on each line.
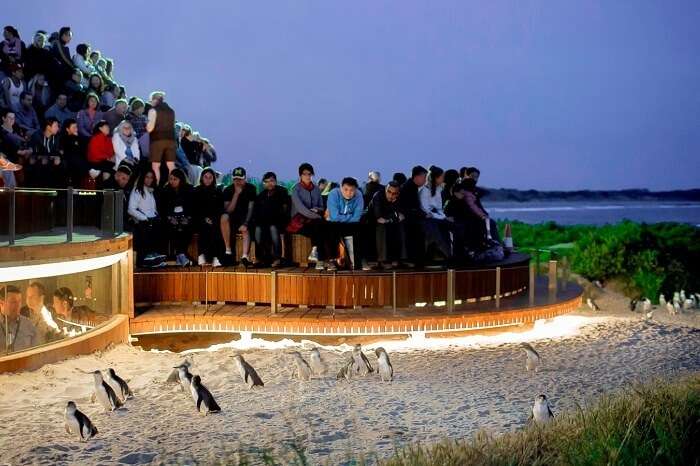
[209, 202]
[345, 207]
[126, 145]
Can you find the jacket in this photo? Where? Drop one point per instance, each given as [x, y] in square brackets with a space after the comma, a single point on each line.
[345, 210]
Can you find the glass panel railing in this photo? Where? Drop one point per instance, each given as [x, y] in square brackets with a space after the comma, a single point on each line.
[48, 216]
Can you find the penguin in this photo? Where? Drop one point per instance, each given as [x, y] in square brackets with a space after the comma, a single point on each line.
[633, 305]
[184, 376]
[250, 377]
[105, 394]
[670, 308]
[681, 296]
[676, 297]
[302, 370]
[646, 305]
[119, 385]
[174, 376]
[79, 423]
[649, 315]
[662, 300]
[532, 361]
[346, 371]
[318, 365]
[202, 396]
[362, 365]
[541, 411]
[688, 304]
[384, 367]
[592, 304]
[676, 308]
[598, 283]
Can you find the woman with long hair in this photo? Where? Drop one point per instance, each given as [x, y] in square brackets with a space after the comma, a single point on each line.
[39, 88]
[126, 146]
[209, 202]
[144, 212]
[81, 60]
[177, 209]
[435, 221]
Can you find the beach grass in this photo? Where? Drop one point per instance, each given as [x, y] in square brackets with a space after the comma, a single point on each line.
[653, 424]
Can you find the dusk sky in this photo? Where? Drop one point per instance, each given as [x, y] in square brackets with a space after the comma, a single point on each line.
[544, 95]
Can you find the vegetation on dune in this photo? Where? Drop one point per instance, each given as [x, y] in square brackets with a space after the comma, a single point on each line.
[648, 258]
[656, 423]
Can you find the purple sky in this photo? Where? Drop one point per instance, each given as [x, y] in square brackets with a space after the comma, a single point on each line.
[544, 95]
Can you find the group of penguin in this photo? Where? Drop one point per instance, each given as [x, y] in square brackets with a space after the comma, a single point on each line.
[679, 303]
[358, 364]
[76, 422]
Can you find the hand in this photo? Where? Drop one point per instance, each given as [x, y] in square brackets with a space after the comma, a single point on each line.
[208, 221]
[243, 228]
[237, 189]
[56, 160]
[381, 220]
[402, 217]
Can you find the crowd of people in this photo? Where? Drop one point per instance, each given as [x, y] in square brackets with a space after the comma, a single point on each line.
[30, 320]
[65, 121]
[434, 217]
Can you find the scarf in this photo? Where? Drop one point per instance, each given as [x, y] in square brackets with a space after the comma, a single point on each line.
[308, 187]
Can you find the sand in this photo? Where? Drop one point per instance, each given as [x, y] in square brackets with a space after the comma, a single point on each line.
[443, 388]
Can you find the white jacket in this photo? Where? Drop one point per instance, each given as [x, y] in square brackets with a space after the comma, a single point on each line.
[431, 205]
[120, 149]
[142, 208]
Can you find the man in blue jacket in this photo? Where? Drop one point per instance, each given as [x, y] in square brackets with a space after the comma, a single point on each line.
[345, 206]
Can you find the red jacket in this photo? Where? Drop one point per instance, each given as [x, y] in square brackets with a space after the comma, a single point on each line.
[100, 148]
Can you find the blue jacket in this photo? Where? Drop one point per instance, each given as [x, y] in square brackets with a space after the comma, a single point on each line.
[344, 210]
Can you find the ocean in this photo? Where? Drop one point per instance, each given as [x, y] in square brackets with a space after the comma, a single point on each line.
[595, 213]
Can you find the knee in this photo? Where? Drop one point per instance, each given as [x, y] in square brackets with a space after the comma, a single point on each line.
[223, 221]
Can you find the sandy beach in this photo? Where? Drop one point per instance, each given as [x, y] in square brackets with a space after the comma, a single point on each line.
[443, 388]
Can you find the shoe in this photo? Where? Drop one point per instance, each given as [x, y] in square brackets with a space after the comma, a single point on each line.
[149, 257]
[7, 166]
[386, 265]
[182, 260]
[246, 262]
[365, 266]
[215, 263]
[319, 265]
[276, 263]
[331, 267]
[313, 255]
[201, 260]
[407, 265]
[158, 264]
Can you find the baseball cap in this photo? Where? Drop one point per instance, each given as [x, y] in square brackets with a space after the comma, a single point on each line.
[238, 173]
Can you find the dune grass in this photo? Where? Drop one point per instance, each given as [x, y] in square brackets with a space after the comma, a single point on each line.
[653, 424]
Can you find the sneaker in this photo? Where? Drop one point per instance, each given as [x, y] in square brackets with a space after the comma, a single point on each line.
[331, 267]
[246, 262]
[201, 260]
[158, 264]
[276, 263]
[407, 265]
[319, 265]
[182, 260]
[313, 255]
[149, 257]
[215, 263]
[386, 265]
[365, 266]
[93, 173]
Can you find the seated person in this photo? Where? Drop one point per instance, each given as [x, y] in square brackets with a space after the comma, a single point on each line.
[26, 116]
[373, 185]
[384, 213]
[115, 115]
[13, 143]
[59, 110]
[239, 200]
[480, 222]
[36, 311]
[409, 199]
[209, 202]
[17, 332]
[75, 91]
[89, 116]
[177, 209]
[72, 153]
[126, 145]
[100, 152]
[434, 222]
[463, 226]
[144, 213]
[474, 174]
[45, 168]
[271, 214]
[345, 206]
[307, 215]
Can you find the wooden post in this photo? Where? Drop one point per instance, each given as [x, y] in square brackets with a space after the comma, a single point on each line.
[393, 290]
[564, 272]
[206, 291]
[450, 290]
[498, 287]
[552, 279]
[273, 292]
[533, 273]
[333, 292]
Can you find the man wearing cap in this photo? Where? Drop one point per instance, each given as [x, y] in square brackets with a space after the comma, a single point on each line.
[239, 199]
